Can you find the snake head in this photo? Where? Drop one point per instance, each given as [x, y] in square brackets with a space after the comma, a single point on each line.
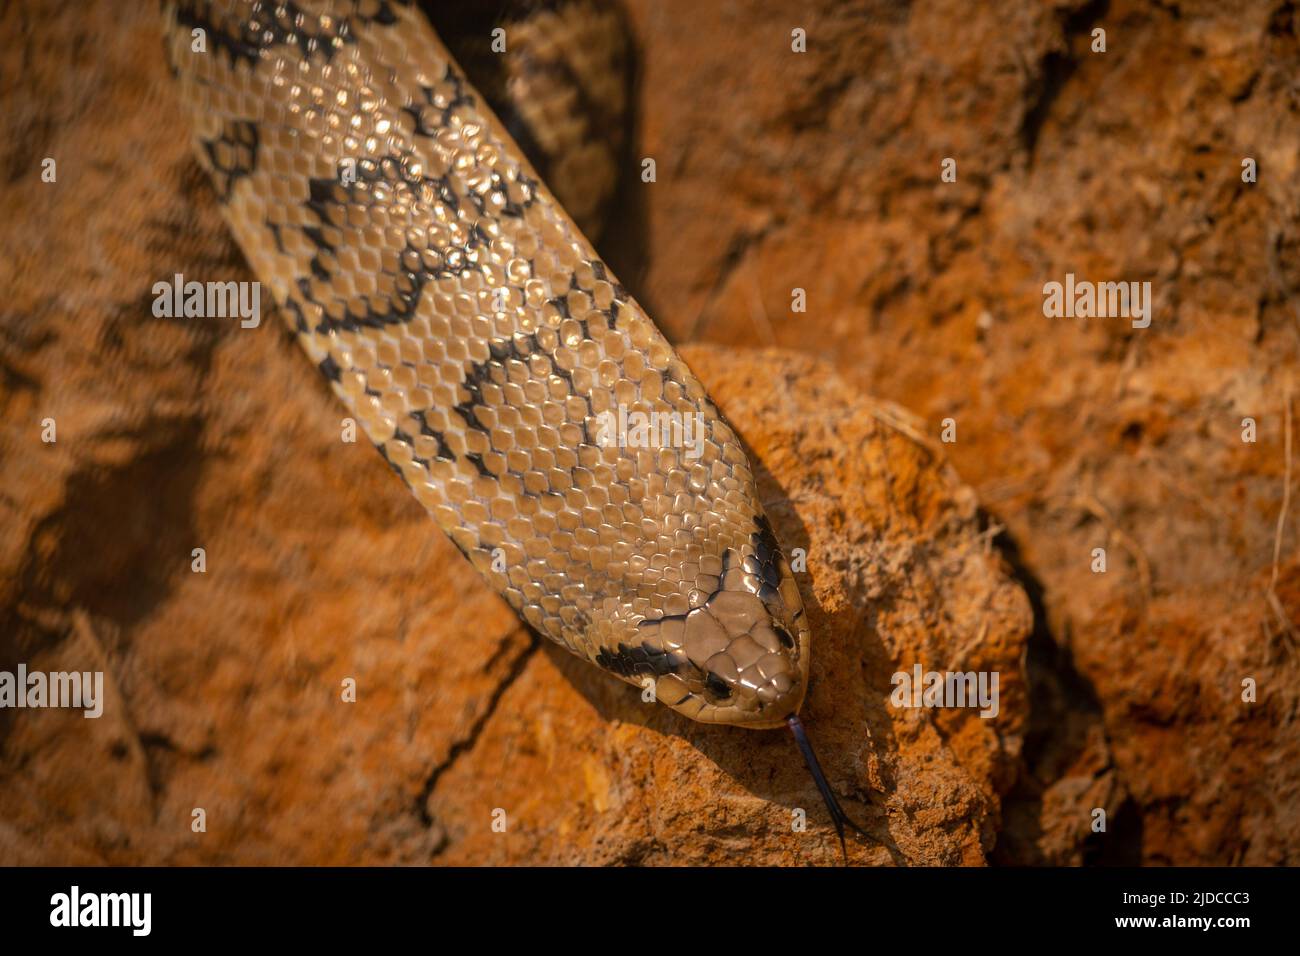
[740, 654]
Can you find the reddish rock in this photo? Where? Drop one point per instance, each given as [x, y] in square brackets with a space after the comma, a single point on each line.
[821, 173]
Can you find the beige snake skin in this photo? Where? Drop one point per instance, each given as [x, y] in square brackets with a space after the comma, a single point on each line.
[494, 360]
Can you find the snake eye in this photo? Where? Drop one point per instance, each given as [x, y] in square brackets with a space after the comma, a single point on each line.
[717, 687]
[783, 636]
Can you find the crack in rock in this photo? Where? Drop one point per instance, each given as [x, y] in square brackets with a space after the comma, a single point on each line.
[466, 743]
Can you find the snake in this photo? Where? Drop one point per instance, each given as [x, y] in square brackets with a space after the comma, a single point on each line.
[466, 322]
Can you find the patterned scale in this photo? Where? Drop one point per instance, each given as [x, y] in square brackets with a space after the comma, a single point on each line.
[483, 347]
[561, 86]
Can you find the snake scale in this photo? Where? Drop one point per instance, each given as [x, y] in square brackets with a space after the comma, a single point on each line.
[482, 345]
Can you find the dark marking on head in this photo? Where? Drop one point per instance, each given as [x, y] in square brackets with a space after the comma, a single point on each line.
[767, 551]
[656, 621]
[330, 368]
[717, 686]
[639, 661]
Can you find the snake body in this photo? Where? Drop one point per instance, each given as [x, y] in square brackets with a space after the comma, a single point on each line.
[482, 345]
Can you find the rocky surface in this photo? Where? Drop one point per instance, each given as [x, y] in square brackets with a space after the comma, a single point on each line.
[225, 687]
[821, 173]
[1075, 433]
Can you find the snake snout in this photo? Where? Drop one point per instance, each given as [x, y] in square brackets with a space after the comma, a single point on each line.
[739, 655]
[747, 655]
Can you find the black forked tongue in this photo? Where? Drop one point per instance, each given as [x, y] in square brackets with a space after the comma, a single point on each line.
[838, 816]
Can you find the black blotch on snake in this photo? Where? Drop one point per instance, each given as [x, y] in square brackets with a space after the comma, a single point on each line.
[238, 140]
[638, 661]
